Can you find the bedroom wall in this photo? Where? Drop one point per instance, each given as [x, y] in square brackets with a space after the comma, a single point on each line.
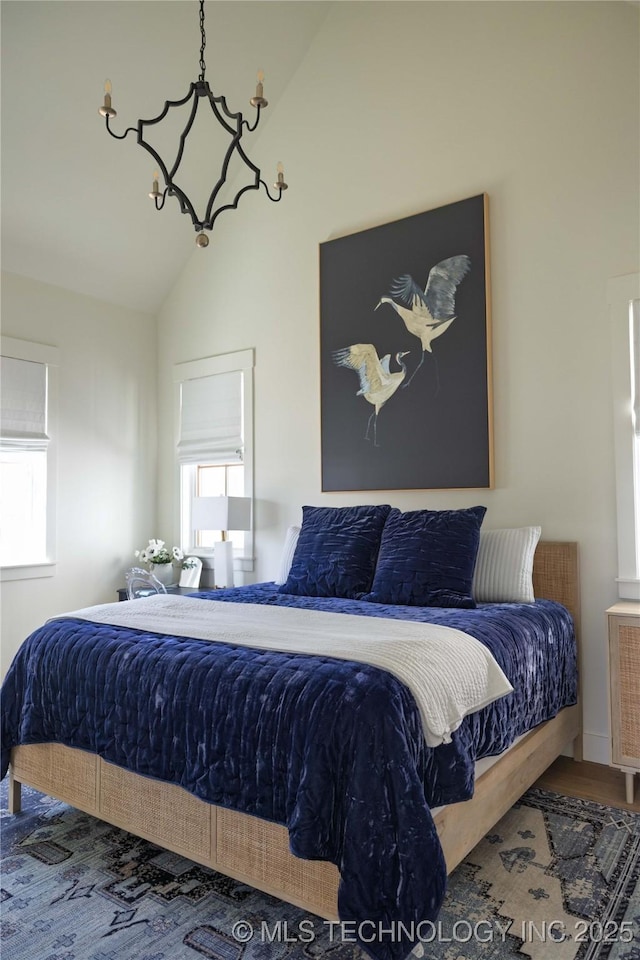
[397, 108]
[106, 448]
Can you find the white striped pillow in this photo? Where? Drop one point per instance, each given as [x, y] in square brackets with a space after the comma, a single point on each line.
[504, 566]
[288, 550]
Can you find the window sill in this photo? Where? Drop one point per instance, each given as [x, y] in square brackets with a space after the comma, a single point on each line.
[28, 571]
[628, 588]
[244, 564]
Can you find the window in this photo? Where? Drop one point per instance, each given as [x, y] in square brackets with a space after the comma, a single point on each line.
[624, 305]
[219, 480]
[215, 443]
[27, 459]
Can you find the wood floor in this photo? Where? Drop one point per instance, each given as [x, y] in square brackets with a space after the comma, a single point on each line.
[591, 781]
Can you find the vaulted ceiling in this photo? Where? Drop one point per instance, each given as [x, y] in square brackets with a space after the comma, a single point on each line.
[75, 210]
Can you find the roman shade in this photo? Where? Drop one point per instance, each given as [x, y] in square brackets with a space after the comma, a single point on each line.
[211, 419]
[23, 423]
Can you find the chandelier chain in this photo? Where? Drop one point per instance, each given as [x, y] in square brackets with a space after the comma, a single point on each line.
[203, 44]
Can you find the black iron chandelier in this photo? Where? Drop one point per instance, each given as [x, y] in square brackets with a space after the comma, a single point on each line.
[235, 126]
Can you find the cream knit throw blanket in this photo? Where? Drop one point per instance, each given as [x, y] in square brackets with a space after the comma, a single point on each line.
[449, 673]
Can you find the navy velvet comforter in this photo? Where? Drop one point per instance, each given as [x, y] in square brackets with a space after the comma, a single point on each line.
[333, 749]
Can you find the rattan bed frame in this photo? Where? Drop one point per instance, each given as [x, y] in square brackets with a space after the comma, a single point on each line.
[256, 851]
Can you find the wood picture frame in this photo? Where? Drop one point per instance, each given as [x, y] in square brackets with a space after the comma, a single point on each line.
[405, 353]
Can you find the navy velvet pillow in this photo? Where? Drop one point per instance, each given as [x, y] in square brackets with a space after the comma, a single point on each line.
[427, 558]
[336, 552]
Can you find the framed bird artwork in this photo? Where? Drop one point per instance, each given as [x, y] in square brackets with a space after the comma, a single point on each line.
[405, 353]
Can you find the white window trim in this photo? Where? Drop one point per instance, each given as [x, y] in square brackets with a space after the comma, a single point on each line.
[621, 291]
[206, 367]
[40, 353]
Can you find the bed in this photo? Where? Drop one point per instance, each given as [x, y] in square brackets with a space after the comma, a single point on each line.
[255, 849]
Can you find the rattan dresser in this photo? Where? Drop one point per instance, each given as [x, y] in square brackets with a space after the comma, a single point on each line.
[624, 688]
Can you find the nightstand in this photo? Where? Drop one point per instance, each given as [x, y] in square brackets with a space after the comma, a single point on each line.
[183, 591]
[624, 688]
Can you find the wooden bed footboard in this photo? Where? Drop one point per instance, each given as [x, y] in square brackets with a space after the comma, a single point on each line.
[256, 851]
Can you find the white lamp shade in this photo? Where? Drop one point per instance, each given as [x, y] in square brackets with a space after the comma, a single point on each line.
[221, 513]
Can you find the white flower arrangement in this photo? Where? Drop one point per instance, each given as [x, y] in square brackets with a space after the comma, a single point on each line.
[157, 552]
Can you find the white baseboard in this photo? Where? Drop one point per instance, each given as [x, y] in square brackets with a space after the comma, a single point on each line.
[595, 748]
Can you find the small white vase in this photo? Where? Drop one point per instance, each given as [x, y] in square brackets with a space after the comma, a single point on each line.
[164, 573]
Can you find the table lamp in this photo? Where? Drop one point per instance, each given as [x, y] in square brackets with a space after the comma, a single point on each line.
[224, 514]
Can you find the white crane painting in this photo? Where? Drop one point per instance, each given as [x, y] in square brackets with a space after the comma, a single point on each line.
[428, 314]
[377, 383]
[405, 365]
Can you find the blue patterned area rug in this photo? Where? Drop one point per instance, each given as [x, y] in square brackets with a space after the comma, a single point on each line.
[556, 879]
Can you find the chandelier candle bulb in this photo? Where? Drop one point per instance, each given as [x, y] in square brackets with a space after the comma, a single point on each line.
[259, 100]
[155, 190]
[280, 184]
[106, 110]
